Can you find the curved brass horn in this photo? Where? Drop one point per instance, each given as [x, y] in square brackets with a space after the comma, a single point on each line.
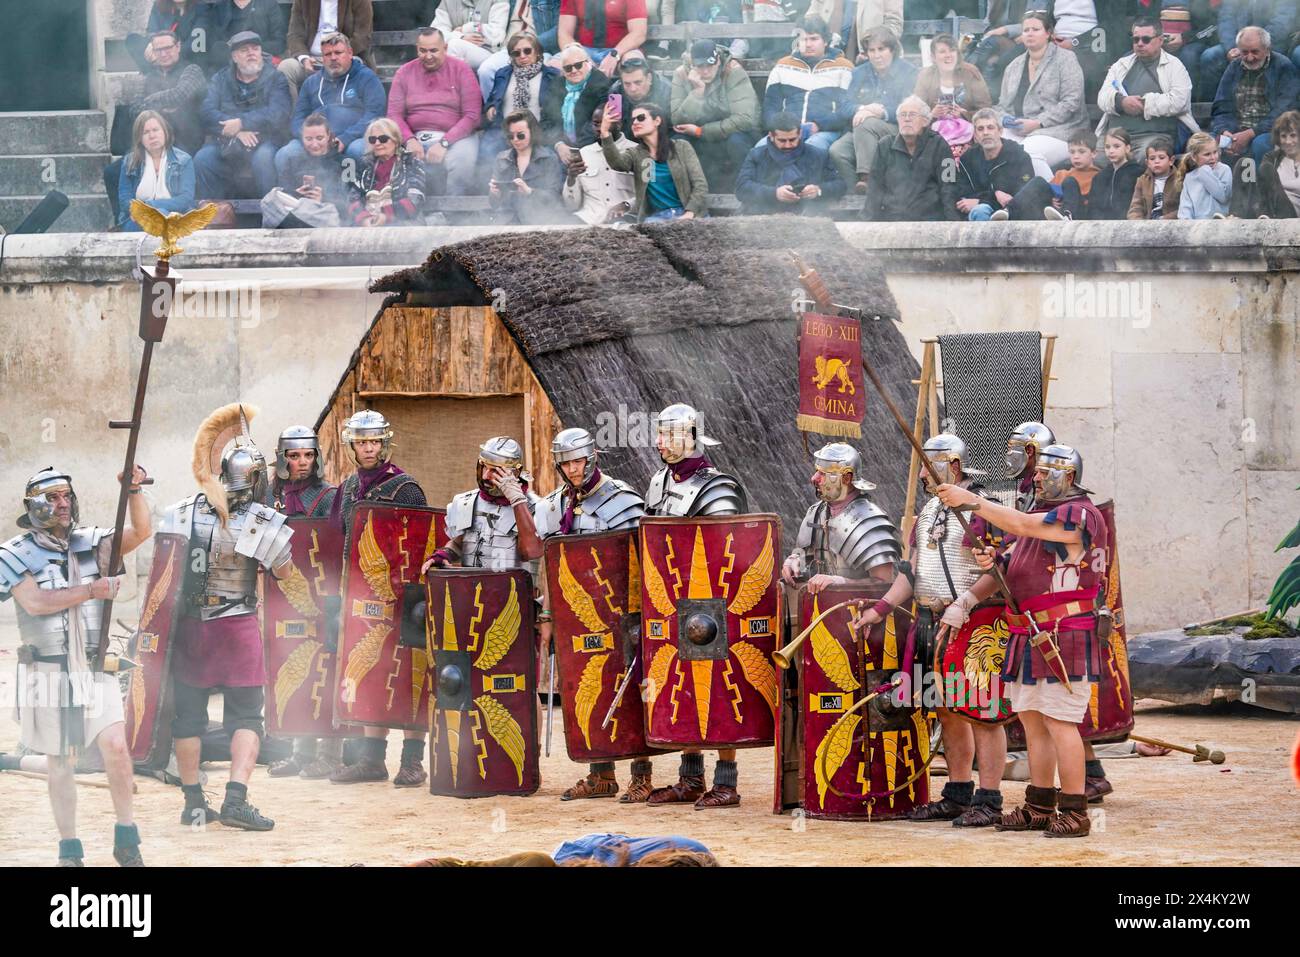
[784, 657]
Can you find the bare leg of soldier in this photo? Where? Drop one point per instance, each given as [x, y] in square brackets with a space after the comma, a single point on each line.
[411, 774]
[959, 753]
[1039, 810]
[1069, 747]
[245, 743]
[121, 778]
[62, 785]
[244, 747]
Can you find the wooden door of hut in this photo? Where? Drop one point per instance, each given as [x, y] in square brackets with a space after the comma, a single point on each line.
[446, 378]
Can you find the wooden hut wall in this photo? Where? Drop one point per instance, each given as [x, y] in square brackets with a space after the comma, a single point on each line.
[452, 371]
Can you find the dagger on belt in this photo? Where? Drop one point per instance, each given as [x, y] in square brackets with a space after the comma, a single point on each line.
[816, 288]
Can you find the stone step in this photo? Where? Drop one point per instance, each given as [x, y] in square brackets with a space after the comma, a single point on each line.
[85, 213]
[69, 173]
[53, 132]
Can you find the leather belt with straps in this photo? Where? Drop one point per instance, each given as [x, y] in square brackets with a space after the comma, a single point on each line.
[1051, 614]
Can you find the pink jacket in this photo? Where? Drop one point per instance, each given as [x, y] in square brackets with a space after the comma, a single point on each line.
[448, 99]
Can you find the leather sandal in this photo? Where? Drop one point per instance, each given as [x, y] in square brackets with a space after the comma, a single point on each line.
[1096, 789]
[1072, 821]
[1036, 814]
[978, 815]
[592, 786]
[943, 809]
[720, 795]
[638, 789]
[687, 790]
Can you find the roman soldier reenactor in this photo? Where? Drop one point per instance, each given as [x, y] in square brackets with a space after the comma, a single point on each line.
[945, 568]
[299, 488]
[219, 642]
[587, 500]
[57, 571]
[368, 441]
[1052, 570]
[689, 485]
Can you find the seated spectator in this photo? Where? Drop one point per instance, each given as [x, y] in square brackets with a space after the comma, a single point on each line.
[1000, 43]
[911, 178]
[1088, 30]
[525, 83]
[1257, 88]
[526, 180]
[390, 187]
[812, 84]
[177, 17]
[1156, 194]
[224, 19]
[721, 12]
[1275, 17]
[950, 86]
[311, 21]
[545, 17]
[311, 190]
[783, 174]
[882, 81]
[565, 104]
[638, 84]
[1207, 183]
[154, 172]
[989, 177]
[434, 100]
[608, 30]
[715, 105]
[347, 92]
[1148, 92]
[1186, 27]
[1112, 188]
[1066, 196]
[246, 117]
[475, 30]
[1042, 96]
[871, 15]
[667, 176]
[1271, 188]
[172, 88]
[593, 189]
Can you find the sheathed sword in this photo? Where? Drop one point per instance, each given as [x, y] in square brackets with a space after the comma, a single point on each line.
[619, 692]
[550, 695]
[1042, 640]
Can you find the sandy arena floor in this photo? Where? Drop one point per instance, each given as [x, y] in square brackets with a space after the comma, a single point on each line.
[1164, 811]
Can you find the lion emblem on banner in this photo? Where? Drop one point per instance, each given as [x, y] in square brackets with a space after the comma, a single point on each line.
[831, 370]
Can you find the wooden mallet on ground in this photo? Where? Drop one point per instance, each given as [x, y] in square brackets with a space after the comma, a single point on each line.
[1199, 753]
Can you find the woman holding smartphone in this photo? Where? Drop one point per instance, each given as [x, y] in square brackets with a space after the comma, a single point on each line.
[527, 176]
[669, 180]
[950, 86]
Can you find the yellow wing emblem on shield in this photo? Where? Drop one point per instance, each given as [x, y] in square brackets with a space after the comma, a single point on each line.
[576, 596]
[137, 703]
[501, 634]
[832, 751]
[658, 675]
[161, 589]
[295, 589]
[292, 674]
[505, 730]
[758, 672]
[754, 583]
[657, 590]
[365, 655]
[374, 566]
[831, 656]
[589, 688]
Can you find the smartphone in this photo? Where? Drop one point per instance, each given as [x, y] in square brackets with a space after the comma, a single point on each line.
[799, 186]
[1225, 141]
[308, 181]
[1011, 121]
[614, 104]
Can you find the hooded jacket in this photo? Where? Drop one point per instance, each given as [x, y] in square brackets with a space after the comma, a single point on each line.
[350, 102]
[1112, 191]
[728, 105]
[766, 168]
[815, 92]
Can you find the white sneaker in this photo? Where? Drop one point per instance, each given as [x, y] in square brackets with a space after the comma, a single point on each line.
[1000, 216]
[1052, 213]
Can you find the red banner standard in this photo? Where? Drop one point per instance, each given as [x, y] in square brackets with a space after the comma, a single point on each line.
[831, 397]
[594, 583]
[300, 622]
[711, 608]
[483, 729]
[869, 762]
[149, 693]
[1110, 710]
[384, 678]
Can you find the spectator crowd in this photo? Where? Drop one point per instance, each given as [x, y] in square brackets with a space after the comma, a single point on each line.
[567, 111]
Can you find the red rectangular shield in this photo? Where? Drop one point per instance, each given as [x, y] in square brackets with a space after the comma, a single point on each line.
[300, 621]
[148, 705]
[870, 763]
[382, 678]
[594, 584]
[1110, 710]
[483, 718]
[711, 609]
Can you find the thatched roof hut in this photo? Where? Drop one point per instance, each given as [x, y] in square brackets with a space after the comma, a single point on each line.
[604, 327]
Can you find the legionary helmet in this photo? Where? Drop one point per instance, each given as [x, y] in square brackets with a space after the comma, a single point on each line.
[944, 449]
[36, 498]
[680, 420]
[501, 452]
[840, 457]
[1027, 435]
[226, 464]
[574, 444]
[1063, 468]
[297, 437]
[367, 424]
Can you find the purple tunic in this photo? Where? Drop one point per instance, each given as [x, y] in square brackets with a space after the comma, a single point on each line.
[221, 653]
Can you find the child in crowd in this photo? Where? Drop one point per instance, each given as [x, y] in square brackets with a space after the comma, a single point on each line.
[1207, 183]
[1112, 188]
[1066, 196]
[1158, 190]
